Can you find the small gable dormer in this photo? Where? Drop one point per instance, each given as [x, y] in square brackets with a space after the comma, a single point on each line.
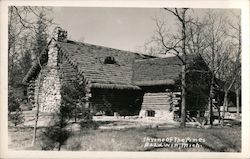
[110, 60]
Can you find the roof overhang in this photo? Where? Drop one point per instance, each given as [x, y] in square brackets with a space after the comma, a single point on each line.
[114, 86]
[155, 82]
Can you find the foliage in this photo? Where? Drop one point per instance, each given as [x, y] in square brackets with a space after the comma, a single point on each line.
[198, 84]
[40, 35]
[73, 98]
[22, 29]
[13, 103]
[16, 117]
[56, 134]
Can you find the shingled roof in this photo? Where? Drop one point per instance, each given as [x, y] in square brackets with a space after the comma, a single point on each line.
[128, 70]
[89, 61]
[158, 71]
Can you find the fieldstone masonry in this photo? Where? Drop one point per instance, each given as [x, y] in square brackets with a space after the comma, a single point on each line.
[49, 92]
[48, 83]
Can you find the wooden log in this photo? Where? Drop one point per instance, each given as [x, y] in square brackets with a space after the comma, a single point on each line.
[156, 101]
[156, 94]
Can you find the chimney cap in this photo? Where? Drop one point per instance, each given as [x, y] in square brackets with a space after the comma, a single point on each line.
[60, 34]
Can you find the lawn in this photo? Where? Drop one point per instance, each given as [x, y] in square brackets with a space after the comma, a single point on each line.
[216, 139]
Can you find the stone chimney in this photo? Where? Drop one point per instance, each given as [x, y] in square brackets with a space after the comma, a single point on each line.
[50, 89]
[60, 34]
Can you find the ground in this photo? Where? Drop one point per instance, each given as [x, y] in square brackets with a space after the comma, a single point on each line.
[127, 135]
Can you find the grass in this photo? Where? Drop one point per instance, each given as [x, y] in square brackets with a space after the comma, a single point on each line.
[218, 139]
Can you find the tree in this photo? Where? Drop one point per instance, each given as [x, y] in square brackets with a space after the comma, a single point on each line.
[21, 27]
[175, 44]
[40, 45]
[41, 35]
[231, 71]
[236, 42]
[21, 31]
[199, 35]
[216, 44]
[57, 133]
[229, 75]
[25, 34]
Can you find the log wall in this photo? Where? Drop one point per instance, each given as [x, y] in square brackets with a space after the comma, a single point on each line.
[160, 104]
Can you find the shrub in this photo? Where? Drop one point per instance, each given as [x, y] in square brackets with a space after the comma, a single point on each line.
[56, 134]
[13, 102]
[16, 117]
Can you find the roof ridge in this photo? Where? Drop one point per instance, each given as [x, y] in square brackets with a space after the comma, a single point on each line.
[157, 58]
[106, 47]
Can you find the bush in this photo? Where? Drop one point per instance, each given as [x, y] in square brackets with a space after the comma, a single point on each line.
[13, 102]
[54, 136]
[16, 117]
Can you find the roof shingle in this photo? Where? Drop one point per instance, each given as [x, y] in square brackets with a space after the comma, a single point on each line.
[89, 60]
[158, 71]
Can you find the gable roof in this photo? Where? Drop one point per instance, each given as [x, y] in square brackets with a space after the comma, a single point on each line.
[129, 71]
[89, 59]
[158, 71]
[35, 68]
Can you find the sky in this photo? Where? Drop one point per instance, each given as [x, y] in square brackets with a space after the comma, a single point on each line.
[122, 28]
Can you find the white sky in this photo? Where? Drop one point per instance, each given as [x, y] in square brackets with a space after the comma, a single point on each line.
[121, 28]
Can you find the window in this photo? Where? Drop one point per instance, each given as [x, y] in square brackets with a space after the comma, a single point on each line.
[151, 113]
[109, 60]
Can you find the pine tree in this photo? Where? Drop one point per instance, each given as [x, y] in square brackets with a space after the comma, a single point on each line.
[40, 35]
[39, 45]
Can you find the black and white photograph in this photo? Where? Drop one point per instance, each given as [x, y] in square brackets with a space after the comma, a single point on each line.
[125, 79]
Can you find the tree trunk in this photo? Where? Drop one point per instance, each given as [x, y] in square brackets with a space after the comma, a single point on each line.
[183, 96]
[37, 112]
[37, 104]
[59, 147]
[210, 103]
[219, 114]
[183, 73]
[225, 103]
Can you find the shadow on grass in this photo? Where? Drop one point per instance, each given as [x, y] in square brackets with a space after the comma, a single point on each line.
[227, 144]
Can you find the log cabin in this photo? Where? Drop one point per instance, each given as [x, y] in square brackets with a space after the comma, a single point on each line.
[111, 80]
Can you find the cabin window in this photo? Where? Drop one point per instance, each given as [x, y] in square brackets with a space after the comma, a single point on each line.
[151, 113]
[109, 60]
